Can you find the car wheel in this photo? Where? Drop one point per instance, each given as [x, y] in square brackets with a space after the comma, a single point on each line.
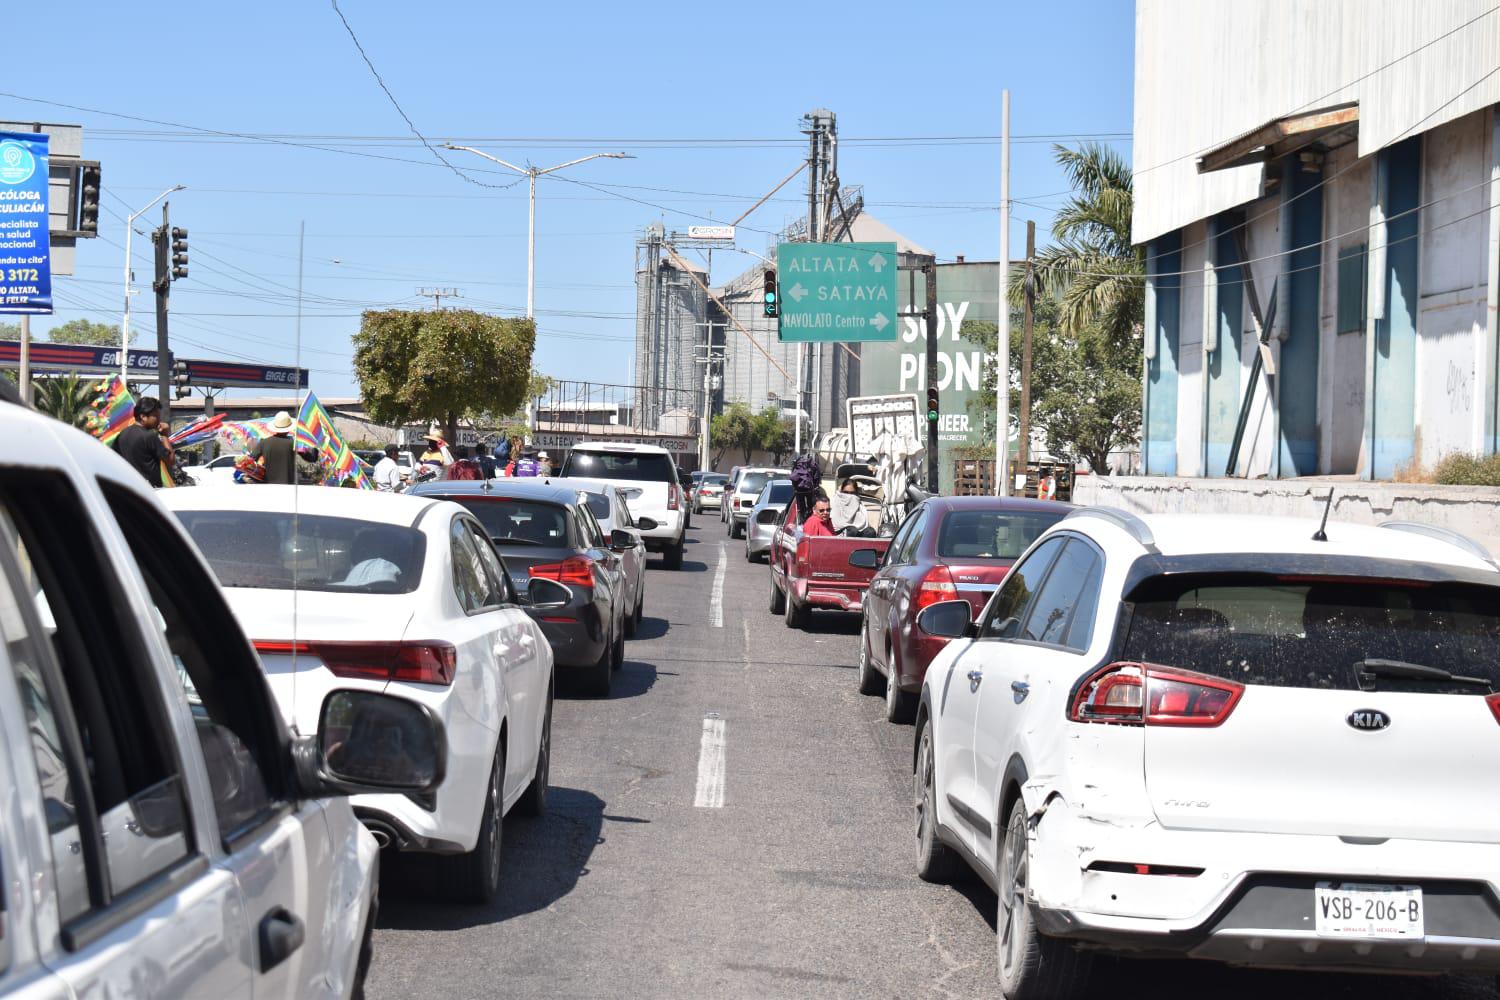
[633, 620]
[1032, 967]
[936, 861]
[533, 801]
[796, 614]
[778, 599]
[672, 556]
[366, 942]
[597, 677]
[900, 705]
[869, 678]
[617, 652]
[749, 556]
[475, 877]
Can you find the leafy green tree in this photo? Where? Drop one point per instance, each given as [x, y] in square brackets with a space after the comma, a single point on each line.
[66, 397]
[774, 433]
[734, 428]
[82, 331]
[10, 331]
[441, 365]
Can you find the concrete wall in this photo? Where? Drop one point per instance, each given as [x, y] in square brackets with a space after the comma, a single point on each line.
[1471, 510]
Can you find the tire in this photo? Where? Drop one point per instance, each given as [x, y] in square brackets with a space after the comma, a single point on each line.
[1032, 967]
[900, 706]
[596, 679]
[366, 942]
[672, 556]
[749, 556]
[778, 599]
[533, 801]
[475, 877]
[936, 861]
[633, 620]
[617, 651]
[796, 614]
[870, 681]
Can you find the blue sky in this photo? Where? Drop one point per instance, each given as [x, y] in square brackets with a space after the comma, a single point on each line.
[384, 218]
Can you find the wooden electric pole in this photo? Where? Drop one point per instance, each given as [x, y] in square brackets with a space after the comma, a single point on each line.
[1023, 446]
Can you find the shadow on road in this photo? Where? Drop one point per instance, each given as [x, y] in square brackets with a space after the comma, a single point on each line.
[833, 623]
[633, 679]
[651, 628]
[541, 862]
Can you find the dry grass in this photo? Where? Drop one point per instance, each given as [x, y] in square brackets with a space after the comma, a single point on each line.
[1459, 469]
[1413, 471]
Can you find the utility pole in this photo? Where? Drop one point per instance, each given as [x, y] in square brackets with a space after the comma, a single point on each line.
[821, 126]
[162, 286]
[437, 295]
[1002, 346]
[130, 280]
[1023, 446]
[930, 323]
[25, 373]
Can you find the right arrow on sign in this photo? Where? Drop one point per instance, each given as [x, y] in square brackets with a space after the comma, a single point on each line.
[797, 292]
[879, 322]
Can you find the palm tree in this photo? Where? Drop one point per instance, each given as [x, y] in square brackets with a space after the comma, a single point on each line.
[1096, 274]
[66, 397]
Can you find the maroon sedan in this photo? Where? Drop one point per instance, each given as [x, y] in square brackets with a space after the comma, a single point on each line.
[948, 548]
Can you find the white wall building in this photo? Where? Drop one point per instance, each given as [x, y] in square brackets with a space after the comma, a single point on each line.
[1333, 166]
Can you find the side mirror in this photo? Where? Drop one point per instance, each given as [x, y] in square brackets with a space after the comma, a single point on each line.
[620, 539]
[373, 742]
[864, 558]
[545, 594]
[646, 523]
[946, 620]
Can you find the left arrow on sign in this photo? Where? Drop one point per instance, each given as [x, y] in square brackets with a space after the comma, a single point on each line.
[797, 292]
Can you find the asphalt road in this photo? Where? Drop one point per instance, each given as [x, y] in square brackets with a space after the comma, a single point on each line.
[800, 884]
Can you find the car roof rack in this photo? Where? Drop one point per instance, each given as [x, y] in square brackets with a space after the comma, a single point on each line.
[1132, 524]
[1447, 535]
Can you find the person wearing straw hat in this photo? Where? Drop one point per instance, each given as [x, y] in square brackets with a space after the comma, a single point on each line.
[276, 452]
[437, 452]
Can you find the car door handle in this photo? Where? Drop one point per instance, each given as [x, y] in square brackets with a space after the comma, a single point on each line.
[975, 676]
[281, 933]
[1021, 689]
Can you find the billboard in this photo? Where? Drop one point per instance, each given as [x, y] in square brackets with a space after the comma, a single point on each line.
[25, 247]
[966, 293]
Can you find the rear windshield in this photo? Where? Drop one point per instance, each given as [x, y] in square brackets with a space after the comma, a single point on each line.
[753, 482]
[992, 534]
[780, 493]
[598, 505]
[520, 522]
[715, 478]
[1320, 632]
[649, 468]
[258, 550]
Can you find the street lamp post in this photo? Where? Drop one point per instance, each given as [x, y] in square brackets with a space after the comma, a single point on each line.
[532, 173]
[125, 320]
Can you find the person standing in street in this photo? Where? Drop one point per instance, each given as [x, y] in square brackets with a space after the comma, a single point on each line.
[277, 453]
[142, 444]
[387, 473]
[527, 465]
[545, 463]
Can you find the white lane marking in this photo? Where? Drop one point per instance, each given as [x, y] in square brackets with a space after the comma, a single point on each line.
[716, 599]
[710, 794]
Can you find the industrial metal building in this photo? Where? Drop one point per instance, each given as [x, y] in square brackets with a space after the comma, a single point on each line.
[671, 321]
[1338, 190]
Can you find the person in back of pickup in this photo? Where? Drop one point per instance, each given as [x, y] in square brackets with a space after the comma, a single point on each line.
[820, 524]
[849, 515]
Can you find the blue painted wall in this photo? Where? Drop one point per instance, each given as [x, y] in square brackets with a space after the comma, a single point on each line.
[1164, 289]
[1393, 403]
[1297, 392]
[1223, 363]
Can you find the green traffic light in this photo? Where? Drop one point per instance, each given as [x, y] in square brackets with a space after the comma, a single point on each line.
[932, 414]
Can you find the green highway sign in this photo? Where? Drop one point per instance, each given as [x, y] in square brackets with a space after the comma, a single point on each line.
[837, 291]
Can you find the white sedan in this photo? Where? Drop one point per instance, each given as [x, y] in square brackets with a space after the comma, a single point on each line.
[1226, 738]
[340, 588]
[218, 472]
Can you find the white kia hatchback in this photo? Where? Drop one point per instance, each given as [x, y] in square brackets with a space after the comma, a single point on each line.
[1223, 738]
[405, 595]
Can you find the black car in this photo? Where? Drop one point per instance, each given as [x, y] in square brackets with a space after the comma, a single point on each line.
[547, 531]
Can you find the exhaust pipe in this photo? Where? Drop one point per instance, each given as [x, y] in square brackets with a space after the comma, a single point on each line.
[385, 836]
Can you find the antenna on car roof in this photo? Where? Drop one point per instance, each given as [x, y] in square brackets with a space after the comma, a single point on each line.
[1320, 535]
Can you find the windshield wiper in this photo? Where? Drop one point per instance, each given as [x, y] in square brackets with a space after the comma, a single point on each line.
[514, 540]
[1373, 668]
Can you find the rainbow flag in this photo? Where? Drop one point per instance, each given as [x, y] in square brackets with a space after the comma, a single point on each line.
[315, 430]
[240, 435]
[113, 410]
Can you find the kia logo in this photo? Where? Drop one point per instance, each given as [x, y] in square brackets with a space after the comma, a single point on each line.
[1368, 720]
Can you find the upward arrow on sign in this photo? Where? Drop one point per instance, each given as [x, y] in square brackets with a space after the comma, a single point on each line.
[877, 262]
[797, 292]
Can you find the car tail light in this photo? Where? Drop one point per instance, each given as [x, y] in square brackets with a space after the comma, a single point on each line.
[417, 662]
[1135, 694]
[936, 586]
[575, 571]
[671, 496]
[1494, 702]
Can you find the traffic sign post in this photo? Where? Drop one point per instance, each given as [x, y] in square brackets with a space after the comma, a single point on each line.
[833, 292]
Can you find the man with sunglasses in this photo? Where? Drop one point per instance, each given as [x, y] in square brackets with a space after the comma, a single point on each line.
[820, 523]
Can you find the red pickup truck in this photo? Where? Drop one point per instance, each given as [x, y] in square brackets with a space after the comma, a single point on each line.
[808, 573]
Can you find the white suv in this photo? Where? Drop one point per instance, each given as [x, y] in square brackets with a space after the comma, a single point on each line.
[1222, 738]
[647, 476]
[160, 832]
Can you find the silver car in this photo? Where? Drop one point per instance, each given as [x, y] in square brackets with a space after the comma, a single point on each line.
[739, 500]
[760, 523]
[610, 507]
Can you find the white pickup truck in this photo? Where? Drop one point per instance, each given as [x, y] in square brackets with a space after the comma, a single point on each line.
[647, 477]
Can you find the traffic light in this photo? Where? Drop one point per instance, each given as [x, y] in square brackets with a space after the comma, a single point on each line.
[179, 253]
[88, 199]
[180, 378]
[772, 306]
[932, 402]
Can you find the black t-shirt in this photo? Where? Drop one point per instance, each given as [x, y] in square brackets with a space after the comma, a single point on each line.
[280, 457]
[144, 450]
